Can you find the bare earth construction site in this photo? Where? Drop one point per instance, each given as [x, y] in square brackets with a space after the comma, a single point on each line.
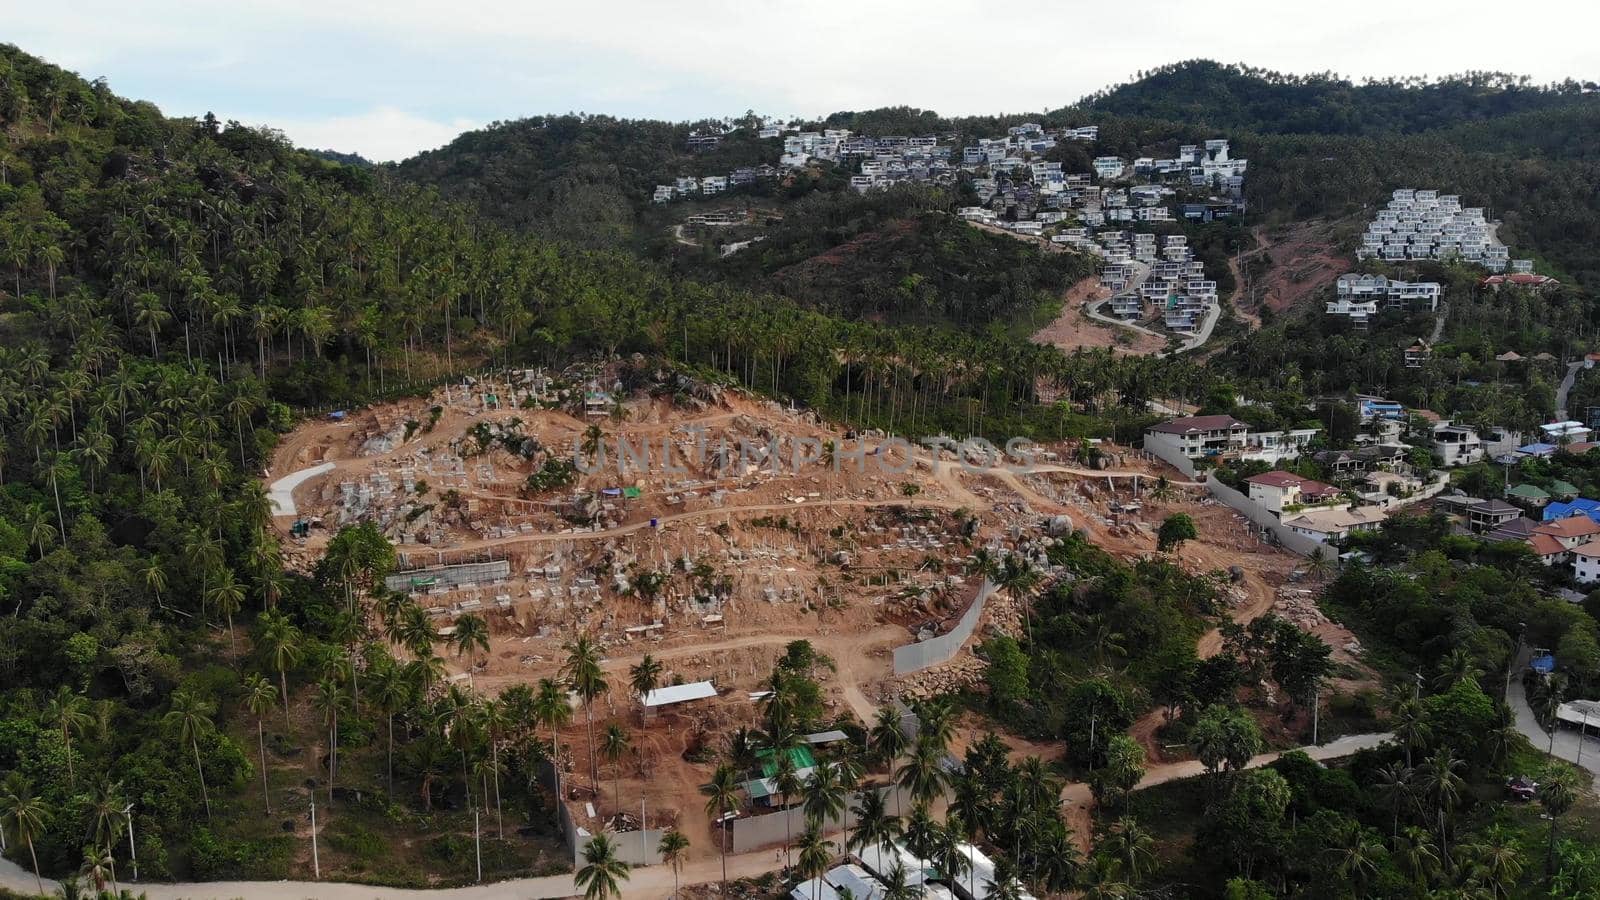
[711, 568]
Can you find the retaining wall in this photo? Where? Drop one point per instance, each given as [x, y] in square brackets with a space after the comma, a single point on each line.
[1172, 458]
[1258, 514]
[754, 832]
[943, 648]
[452, 576]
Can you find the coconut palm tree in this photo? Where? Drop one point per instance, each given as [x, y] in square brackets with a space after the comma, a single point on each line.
[330, 701]
[65, 711]
[191, 716]
[551, 709]
[281, 641]
[923, 774]
[1556, 795]
[1416, 855]
[644, 677]
[471, 636]
[1455, 667]
[1355, 853]
[227, 595]
[673, 847]
[97, 868]
[949, 853]
[493, 724]
[897, 885]
[24, 817]
[1439, 782]
[922, 834]
[602, 873]
[874, 823]
[583, 672]
[887, 741]
[815, 854]
[260, 697]
[106, 811]
[936, 724]
[390, 693]
[722, 795]
[1497, 860]
[786, 784]
[1018, 578]
[1409, 723]
[415, 632]
[1393, 785]
[614, 744]
[825, 796]
[1131, 846]
[983, 564]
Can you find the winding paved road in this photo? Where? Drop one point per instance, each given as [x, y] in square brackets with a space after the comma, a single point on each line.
[1582, 751]
[1565, 388]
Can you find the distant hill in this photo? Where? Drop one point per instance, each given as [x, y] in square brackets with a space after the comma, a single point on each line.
[576, 178]
[349, 159]
[1241, 97]
[1319, 145]
[898, 256]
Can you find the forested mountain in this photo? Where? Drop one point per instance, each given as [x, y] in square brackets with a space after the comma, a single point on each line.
[899, 255]
[578, 179]
[1239, 97]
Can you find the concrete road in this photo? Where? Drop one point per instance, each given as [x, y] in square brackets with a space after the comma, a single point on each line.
[1568, 744]
[1565, 388]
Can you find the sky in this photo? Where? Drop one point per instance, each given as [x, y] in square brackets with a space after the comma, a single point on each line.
[390, 79]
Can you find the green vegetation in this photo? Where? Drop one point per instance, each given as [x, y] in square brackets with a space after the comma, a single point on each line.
[1238, 97]
[899, 255]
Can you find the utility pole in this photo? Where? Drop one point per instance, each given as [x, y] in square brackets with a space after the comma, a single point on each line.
[1516, 657]
[316, 861]
[133, 851]
[1316, 707]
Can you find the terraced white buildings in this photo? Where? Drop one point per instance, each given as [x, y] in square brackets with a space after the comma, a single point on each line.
[1424, 224]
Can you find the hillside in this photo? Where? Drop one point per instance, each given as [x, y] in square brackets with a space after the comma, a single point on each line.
[190, 309]
[899, 256]
[175, 294]
[1238, 97]
[578, 179]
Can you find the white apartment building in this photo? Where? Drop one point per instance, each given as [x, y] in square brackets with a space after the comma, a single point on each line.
[1422, 224]
[1457, 445]
[1108, 166]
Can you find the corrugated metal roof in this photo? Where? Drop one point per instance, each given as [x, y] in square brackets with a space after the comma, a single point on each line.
[680, 693]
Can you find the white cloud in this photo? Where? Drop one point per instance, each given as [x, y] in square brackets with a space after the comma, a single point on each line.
[382, 134]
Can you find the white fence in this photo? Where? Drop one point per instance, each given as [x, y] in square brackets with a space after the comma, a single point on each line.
[1172, 458]
[943, 648]
[753, 832]
[1259, 515]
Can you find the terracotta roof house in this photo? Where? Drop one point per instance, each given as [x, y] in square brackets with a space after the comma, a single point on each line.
[1521, 280]
[1586, 562]
[1549, 550]
[1570, 531]
[1196, 437]
[1278, 491]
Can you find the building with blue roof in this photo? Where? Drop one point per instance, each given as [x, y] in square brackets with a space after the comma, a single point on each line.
[1578, 506]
